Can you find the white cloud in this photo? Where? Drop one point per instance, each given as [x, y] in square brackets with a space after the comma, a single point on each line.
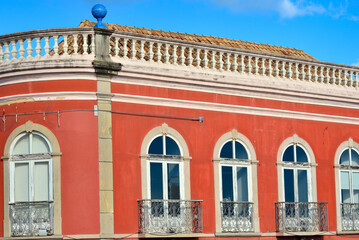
[356, 64]
[284, 8]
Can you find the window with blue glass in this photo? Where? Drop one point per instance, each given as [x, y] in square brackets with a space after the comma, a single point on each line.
[234, 172]
[296, 174]
[349, 176]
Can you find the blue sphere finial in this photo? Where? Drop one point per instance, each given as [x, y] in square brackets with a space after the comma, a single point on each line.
[99, 12]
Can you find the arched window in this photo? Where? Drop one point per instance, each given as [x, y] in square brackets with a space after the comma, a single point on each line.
[297, 209]
[32, 182]
[235, 184]
[166, 206]
[165, 165]
[347, 178]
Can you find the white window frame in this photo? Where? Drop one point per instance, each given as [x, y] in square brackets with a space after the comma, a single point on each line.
[31, 161]
[251, 165]
[295, 167]
[310, 167]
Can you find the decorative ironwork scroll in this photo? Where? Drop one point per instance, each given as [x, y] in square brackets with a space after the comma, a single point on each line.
[237, 216]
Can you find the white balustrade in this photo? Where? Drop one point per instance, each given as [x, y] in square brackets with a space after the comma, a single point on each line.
[64, 43]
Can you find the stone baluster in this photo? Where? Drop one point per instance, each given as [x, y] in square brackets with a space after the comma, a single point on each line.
[133, 49]
[29, 48]
[56, 46]
[1, 53]
[309, 74]
[356, 79]
[296, 69]
[227, 64]
[263, 67]
[21, 49]
[276, 69]
[158, 52]
[255, 65]
[321, 74]
[345, 78]
[166, 54]
[124, 47]
[290, 72]
[6, 52]
[142, 50]
[189, 57]
[282, 70]
[182, 57]
[13, 53]
[213, 60]
[270, 70]
[241, 64]
[220, 61]
[302, 73]
[235, 64]
[76, 46]
[38, 47]
[315, 74]
[350, 78]
[85, 45]
[116, 47]
[332, 79]
[150, 51]
[66, 46]
[174, 56]
[205, 59]
[249, 65]
[338, 80]
[92, 44]
[47, 46]
[198, 59]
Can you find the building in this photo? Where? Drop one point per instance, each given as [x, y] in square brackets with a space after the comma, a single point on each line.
[137, 133]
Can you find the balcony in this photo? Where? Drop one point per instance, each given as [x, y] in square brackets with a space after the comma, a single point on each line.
[350, 216]
[301, 217]
[237, 217]
[31, 219]
[70, 47]
[169, 216]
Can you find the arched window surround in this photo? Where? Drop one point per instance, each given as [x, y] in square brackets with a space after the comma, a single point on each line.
[55, 153]
[184, 159]
[295, 140]
[252, 176]
[348, 144]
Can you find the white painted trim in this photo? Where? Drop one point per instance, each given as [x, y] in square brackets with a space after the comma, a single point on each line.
[135, 99]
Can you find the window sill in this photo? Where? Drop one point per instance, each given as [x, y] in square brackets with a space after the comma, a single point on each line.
[239, 234]
[305, 233]
[52, 237]
[174, 235]
[347, 232]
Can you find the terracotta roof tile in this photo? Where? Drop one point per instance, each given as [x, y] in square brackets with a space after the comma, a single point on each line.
[219, 41]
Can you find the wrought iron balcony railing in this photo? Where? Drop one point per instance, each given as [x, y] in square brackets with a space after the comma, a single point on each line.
[237, 216]
[301, 216]
[170, 216]
[31, 219]
[350, 216]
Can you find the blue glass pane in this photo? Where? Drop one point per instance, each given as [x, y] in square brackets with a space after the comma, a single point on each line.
[156, 180]
[289, 185]
[355, 158]
[172, 147]
[156, 146]
[173, 181]
[227, 150]
[242, 184]
[301, 155]
[227, 183]
[288, 155]
[302, 186]
[344, 158]
[241, 152]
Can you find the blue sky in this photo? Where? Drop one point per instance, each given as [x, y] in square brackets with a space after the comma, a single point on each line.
[328, 30]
